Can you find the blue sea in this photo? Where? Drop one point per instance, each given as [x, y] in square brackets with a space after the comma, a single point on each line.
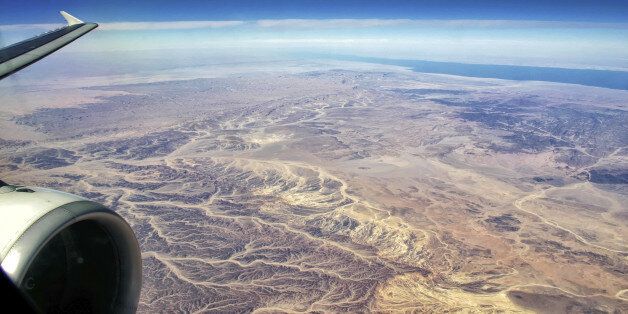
[597, 78]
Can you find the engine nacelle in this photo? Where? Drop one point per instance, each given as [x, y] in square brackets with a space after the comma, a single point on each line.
[68, 254]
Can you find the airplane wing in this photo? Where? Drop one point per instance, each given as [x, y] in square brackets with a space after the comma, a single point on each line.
[17, 56]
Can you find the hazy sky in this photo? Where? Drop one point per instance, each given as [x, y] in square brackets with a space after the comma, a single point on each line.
[579, 34]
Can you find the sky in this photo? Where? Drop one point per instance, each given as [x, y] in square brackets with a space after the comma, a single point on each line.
[573, 34]
[167, 10]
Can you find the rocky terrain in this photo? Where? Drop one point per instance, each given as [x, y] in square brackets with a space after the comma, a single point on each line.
[345, 190]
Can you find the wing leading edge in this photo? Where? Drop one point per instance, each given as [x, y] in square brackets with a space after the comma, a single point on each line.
[20, 55]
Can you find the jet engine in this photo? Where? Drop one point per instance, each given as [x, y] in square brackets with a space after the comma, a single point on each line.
[67, 253]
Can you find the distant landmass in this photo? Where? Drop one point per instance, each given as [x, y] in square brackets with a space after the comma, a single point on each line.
[597, 78]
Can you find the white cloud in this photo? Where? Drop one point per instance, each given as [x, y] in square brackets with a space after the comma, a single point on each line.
[332, 23]
[366, 23]
[328, 23]
[168, 25]
[321, 41]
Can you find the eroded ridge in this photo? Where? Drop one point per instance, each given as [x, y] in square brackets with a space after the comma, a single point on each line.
[351, 190]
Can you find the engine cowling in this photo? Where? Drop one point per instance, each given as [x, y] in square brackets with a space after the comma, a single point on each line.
[67, 253]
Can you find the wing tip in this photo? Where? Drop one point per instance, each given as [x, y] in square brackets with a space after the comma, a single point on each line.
[70, 19]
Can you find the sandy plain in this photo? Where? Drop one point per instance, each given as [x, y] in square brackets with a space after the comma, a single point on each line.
[344, 187]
